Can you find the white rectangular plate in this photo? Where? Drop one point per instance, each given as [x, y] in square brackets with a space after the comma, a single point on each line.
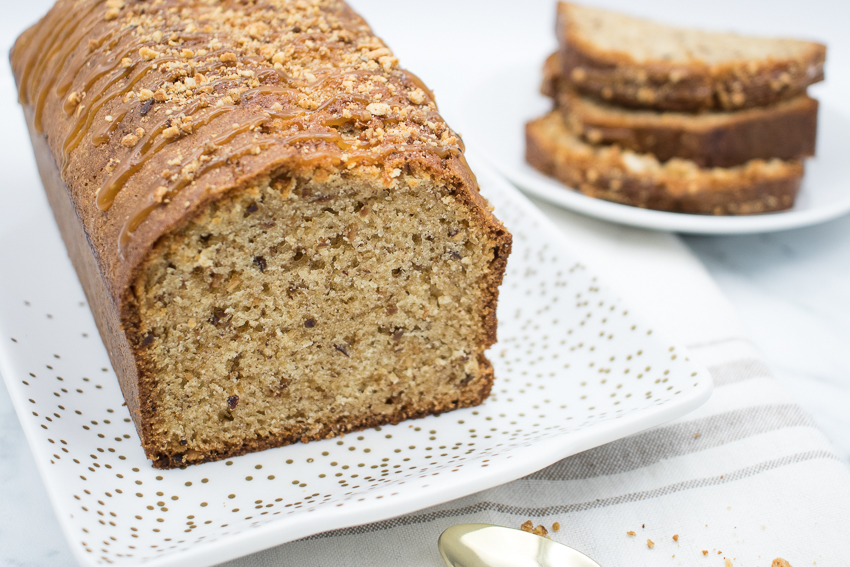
[574, 369]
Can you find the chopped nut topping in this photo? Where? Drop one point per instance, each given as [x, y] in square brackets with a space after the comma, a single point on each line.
[171, 132]
[527, 526]
[145, 94]
[74, 98]
[227, 57]
[416, 96]
[160, 193]
[556, 527]
[148, 54]
[129, 140]
[631, 533]
[379, 108]
[650, 544]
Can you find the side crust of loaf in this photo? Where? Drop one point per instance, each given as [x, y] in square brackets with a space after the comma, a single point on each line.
[785, 130]
[615, 77]
[639, 180]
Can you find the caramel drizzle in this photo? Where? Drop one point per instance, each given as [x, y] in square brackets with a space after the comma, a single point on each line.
[100, 135]
[37, 54]
[267, 90]
[148, 146]
[56, 59]
[101, 71]
[97, 100]
[66, 80]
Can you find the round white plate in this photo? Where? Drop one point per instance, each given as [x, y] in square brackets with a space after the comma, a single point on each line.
[493, 121]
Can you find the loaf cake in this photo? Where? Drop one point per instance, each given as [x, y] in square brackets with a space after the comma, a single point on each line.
[622, 176]
[784, 130]
[643, 64]
[278, 234]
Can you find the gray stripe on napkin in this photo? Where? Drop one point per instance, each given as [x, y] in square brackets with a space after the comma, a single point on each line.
[676, 440]
[524, 513]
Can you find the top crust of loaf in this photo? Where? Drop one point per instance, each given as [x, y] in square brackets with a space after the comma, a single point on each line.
[212, 98]
[639, 63]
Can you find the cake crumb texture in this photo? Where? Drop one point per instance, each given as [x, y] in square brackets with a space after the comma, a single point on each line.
[282, 315]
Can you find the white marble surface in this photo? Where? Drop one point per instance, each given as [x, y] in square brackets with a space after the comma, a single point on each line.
[790, 289]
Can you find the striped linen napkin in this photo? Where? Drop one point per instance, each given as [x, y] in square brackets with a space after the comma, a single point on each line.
[742, 480]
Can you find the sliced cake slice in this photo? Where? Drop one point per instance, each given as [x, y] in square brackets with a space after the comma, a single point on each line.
[785, 130]
[638, 63]
[640, 180]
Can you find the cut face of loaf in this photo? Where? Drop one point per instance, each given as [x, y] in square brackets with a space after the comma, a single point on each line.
[300, 309]
[785, 130]
[622, 176]
[638, 63]
[277, 232]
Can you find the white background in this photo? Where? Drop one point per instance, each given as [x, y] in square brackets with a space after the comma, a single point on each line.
[790, 289]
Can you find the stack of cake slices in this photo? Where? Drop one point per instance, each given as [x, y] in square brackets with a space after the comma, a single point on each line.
[678, 120]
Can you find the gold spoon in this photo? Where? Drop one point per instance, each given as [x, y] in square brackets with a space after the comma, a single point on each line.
[486, 545]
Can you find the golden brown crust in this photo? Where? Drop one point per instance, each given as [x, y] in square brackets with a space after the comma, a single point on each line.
[617, 77]
[639, 180]
[785, 130]
[142, 115]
